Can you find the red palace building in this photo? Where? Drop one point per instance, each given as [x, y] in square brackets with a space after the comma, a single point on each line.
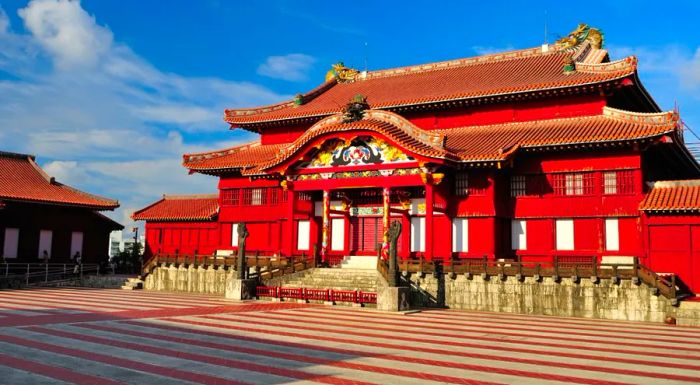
[529, 154]
[38, 213]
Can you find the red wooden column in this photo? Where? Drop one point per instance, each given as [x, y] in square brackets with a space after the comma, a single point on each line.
[290, 220]
[386, 218]
[325, 226]
[429, 222]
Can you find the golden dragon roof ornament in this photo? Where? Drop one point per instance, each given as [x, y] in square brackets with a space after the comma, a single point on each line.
[341, 73]
[582, 33]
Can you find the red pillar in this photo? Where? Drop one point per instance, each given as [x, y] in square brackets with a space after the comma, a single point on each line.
[325, 226]
[429, 222]
[289, 241]
[386, 219]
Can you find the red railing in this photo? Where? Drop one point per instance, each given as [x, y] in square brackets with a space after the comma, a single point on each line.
[329, 295]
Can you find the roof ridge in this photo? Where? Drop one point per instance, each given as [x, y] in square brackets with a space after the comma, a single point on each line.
[114, 202]
[625, 64]
[10, 154]
[460, 62]
[663, 117]
[53, 181]
[218, 153]
[631, 116]
[47, 177]
[189, 196]
[675, 183]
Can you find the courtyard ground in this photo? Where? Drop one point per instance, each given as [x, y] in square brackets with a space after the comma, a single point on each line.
[103, 336]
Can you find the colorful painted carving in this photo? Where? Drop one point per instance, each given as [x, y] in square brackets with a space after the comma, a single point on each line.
[361, 151]
[353, 174]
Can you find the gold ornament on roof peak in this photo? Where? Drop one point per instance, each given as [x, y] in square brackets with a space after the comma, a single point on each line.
[341, 73]
[582, 33]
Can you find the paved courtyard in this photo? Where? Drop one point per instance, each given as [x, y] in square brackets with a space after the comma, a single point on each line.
[99, 336]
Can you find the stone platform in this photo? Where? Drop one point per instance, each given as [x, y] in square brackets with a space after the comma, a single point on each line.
[103, 336]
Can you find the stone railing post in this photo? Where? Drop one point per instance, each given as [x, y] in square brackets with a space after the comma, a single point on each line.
[241, 262]
[393, 234]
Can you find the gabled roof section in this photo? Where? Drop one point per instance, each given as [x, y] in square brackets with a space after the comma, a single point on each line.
[180, 208]
[21, 179]
[409, 136]
[481, 145]
[499, 141]
[499, 75]
[241, 157]
[673, 197]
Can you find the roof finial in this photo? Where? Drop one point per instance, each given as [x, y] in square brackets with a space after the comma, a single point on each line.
[582, 33]
[341, 73]
[355, 109]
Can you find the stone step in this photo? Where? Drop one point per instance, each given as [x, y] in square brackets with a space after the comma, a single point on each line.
[133, 284]
[359, 262]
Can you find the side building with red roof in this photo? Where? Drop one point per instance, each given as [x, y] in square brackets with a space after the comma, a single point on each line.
[181, 224]
[38, 214]
[542, 154]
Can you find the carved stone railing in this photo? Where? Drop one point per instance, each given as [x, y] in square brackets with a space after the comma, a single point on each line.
[665, 285]
[264, 267]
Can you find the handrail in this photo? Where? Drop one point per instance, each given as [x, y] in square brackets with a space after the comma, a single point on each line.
[557, 268]
[327, 295]
[44, 272]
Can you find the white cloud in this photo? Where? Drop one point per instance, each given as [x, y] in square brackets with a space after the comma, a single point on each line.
[484, 50]
[692, 70]
[68, 32]
[4, 22]
[291, 67]
[101, 118]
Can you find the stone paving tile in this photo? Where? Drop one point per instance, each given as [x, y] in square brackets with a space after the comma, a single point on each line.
[103, 336]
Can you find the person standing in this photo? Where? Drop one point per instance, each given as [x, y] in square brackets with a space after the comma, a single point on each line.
[45, 257]
[77, 261]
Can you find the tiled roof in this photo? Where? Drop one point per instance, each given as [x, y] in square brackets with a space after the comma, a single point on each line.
[21, 179]
[422, 142]
[489, 143]
[496, 142]
[238, 157]
[486, 76]
[180, 208]
[673, 196]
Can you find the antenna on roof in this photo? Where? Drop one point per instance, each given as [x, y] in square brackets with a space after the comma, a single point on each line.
[545, 26]
[365, 56]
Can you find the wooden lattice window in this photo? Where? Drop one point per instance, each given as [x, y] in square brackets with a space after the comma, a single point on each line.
[254, 197]
[618, 182]
[304, 196]
[230, 197]
[572, 183]
[518, 185]
[274, 196]
[461, 184]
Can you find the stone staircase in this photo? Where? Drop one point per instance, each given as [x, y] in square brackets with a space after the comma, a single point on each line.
[133, 284]
[359, 262]
[332, 278]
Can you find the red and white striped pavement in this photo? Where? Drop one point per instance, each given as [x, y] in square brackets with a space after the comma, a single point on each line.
[97, 336]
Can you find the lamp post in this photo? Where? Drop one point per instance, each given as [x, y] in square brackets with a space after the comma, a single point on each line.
[134, 249]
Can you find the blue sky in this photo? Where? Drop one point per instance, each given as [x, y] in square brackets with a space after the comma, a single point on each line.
[110, 93]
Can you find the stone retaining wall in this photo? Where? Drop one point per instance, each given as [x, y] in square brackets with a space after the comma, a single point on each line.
[205, 280]
[605, 299]
[103, 281]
